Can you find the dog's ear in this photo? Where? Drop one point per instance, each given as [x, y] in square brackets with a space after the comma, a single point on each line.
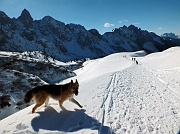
[76, 81]
[71, 81]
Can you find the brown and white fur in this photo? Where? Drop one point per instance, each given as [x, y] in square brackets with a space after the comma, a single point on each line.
[41, 94]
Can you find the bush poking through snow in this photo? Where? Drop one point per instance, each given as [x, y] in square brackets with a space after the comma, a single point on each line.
[5, 101]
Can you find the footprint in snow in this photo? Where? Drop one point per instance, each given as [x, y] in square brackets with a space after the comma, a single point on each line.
[21, 126]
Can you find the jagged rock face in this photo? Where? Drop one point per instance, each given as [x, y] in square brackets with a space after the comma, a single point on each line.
[25, 18]
[48, 26]
[72, 41]
[5, 101]
[4, 19]
[95, 33]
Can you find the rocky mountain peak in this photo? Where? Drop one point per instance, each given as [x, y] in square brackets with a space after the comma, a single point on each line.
[25, 17]
[4, 19]
[48, 20]
[94, 32]
[133, 28]
[76, 28]
[3, 15]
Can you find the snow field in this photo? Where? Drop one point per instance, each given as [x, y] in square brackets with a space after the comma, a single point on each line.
[118, 97]
[134, 102]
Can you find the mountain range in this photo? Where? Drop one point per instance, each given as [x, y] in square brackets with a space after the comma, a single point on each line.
[66, 42]
[170, 35]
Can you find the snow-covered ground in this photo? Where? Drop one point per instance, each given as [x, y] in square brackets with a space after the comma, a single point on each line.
[118, 96]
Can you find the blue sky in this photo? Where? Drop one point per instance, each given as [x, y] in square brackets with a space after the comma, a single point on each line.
[159, 16]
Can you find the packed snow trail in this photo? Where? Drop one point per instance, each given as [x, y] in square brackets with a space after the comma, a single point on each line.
[135, 101]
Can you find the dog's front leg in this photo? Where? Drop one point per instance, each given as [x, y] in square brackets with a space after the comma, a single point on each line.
[47, 102]
[74, 101]
[60, 103]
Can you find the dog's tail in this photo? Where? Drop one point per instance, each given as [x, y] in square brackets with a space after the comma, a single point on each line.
[29, 96]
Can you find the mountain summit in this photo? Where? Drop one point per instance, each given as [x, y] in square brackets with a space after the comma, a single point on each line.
[25, 17]
[72, 41]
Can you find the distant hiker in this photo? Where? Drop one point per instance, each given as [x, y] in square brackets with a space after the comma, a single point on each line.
[137, 62]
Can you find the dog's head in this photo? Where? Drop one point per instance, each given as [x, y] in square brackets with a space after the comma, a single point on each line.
[75, 87]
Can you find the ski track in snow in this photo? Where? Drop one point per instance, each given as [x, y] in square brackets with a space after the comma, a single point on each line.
[136, 101]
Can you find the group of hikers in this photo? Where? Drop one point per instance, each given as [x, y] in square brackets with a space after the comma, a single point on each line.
[134, 59]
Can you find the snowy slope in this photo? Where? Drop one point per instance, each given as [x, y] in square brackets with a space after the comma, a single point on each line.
[118, 96]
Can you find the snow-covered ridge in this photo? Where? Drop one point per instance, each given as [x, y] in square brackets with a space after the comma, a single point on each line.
[121, 97]
[67, 42]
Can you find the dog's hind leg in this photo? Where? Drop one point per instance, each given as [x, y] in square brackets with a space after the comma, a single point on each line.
[74, 101]
[39, 102]
[47, 102]
[35, 107]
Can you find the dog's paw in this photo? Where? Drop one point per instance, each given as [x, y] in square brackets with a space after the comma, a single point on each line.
[46, 105]
[81, 106]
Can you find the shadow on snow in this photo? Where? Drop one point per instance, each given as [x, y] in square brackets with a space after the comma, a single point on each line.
[67, 121]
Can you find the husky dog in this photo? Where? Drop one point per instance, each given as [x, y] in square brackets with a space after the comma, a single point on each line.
[61, 93]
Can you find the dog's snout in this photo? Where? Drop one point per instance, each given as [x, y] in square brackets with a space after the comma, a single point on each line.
[76, 93]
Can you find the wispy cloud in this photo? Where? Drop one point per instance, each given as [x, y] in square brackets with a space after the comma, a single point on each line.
[160, 28]
[122, 21]
[136, 23]
[108, 25]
